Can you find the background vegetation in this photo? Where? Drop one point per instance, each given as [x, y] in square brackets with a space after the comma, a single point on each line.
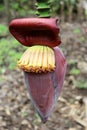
[68, 10]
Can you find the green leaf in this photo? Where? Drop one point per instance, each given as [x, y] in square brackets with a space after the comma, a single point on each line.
[15, 5]
[82, 84]
[75, 71]
[3, 30]
[77, 31]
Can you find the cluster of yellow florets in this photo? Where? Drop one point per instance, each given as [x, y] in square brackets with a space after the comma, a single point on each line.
[37, 59]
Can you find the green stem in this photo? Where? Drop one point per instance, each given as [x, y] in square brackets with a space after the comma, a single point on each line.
[43, 8]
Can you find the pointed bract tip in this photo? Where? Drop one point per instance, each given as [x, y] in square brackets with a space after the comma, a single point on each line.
[44, 119]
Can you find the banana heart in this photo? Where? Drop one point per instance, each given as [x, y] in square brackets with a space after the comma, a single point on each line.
[45, 88]
[43, 63]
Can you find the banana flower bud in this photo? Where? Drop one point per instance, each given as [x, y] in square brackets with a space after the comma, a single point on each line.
[43, 63]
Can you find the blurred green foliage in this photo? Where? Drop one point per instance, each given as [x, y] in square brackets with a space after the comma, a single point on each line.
[2, 8]
[24, 8]
[81, 84]
[3, 30]
[75, 71]
[10, 52]
[57, 4]
[76, 31]
[72, 62]
[70, 9]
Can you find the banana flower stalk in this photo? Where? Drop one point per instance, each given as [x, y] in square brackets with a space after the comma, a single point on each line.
[43, 63]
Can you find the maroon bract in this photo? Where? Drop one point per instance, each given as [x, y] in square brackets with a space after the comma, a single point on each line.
[45, 88]
[36, 31]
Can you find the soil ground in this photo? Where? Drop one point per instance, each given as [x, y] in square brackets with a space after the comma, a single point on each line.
[70, 113]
